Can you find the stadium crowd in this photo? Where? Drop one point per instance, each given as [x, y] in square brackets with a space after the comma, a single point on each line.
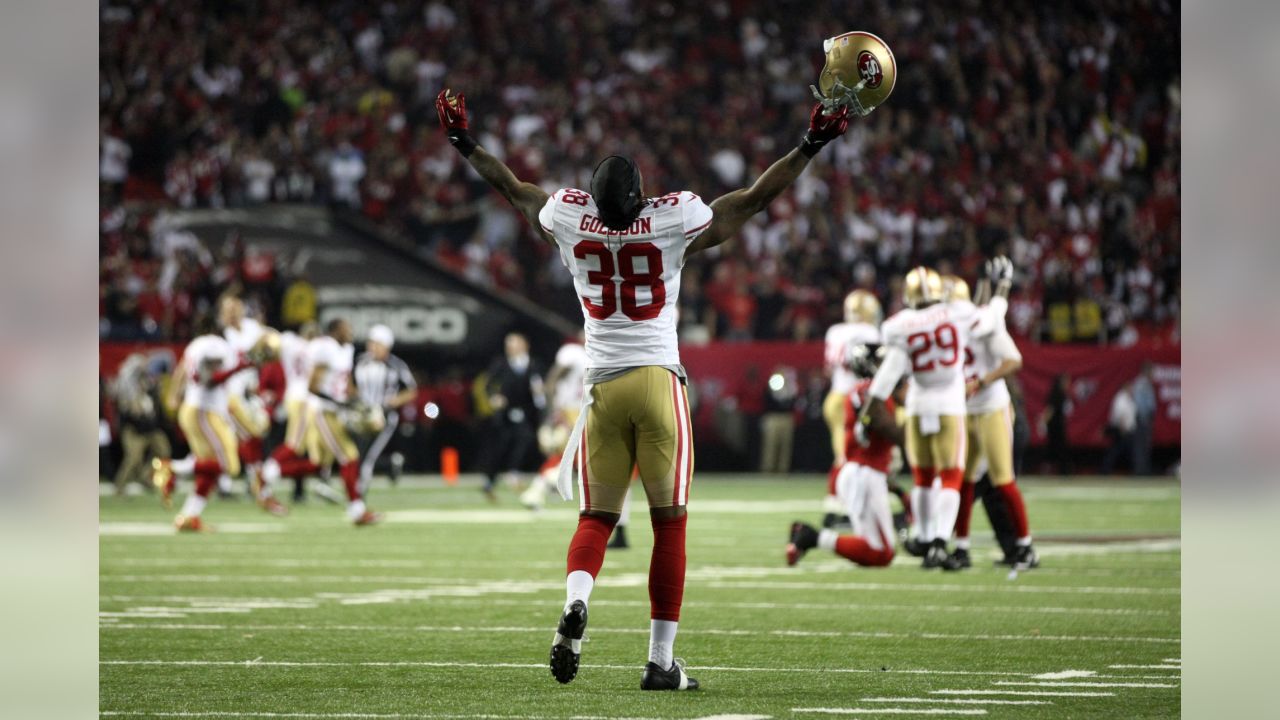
[1047, 131]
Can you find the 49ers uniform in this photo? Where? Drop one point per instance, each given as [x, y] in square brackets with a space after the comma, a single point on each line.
[929, 345]
[990, 410]
[247, 412]
[636, 408]
[203, 413]
[296, 362]
[327, 436]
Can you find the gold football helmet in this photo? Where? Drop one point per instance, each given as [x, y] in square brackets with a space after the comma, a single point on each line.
[922, 286]
[862, 306]
[954, 288]
[860, 73]
[267, 347]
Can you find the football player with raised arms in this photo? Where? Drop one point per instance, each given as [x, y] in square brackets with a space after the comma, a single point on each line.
[861, 326]
[987, 362]
[625, 251]
[927, 342]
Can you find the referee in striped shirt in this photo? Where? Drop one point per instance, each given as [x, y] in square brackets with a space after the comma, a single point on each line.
[382, 380]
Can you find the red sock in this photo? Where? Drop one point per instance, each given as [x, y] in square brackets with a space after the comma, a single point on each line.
[251, 451]
[952, 478]
[831, 479]
[966, 511]
[283, 454]
[858, 550]
[586, 549]
[1017, 510]
[206, 472]
[666, 569]
[350, 472]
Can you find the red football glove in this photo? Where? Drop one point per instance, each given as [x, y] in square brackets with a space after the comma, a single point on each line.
[452, 110]
[823, 128]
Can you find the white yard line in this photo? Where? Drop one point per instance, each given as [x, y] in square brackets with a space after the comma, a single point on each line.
[892, 711]
[639, 579]
[960, 701]
[1025, 693]
[1086, 684]
[148, 529]
[870, 634]
[538, 666]
[943, 587]
[1034, 609]
[1146, 667]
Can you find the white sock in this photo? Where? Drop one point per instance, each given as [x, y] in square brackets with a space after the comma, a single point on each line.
[185, 466]
[577, 586]
[948, 508]
[624, 518]
[922, 505]
[194, 505]
[662, 638]
[962, 543]
[827, 538]
[224, 483]
[270, 471]
[355, 509]
[1024, 541]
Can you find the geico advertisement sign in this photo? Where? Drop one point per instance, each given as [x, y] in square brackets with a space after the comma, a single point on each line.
[412, 325]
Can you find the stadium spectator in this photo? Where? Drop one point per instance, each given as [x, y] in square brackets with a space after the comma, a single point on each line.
[1144, 400]
[1061, 149]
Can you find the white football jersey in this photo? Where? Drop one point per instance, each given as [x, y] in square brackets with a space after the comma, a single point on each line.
[629, 280]
[297, 365]
[337, 360]
[982, 356]
[839, 338]
[207, 354]
[568, 391]
[930, 343]
[242, 339]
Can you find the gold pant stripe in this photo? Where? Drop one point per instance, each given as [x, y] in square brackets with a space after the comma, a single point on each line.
[210, 436]
[295, 433]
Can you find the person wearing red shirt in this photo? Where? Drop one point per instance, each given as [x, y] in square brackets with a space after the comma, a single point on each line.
[862, 484]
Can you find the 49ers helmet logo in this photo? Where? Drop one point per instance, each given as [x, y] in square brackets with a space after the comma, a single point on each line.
[869, 69]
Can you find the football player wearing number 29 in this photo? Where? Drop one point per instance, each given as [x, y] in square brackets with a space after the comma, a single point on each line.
[927, 342]
[625, 251]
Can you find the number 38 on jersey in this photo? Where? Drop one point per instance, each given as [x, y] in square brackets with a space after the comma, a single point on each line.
[628, 280]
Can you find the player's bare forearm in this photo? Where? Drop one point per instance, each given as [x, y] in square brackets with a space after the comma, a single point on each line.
[732, 210]
[525, 197]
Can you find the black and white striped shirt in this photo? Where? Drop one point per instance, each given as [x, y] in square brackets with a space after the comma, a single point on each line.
[378, 381]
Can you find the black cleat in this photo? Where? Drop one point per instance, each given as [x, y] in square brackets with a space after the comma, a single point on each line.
[1026, 558]
[957, 560]
[567, 646]
[936, 556]
[916, 547]
[836, 521]
[804, 537]
[619, 540]
[655, 678]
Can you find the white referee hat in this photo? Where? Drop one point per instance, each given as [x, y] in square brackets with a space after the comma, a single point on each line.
[382, 335]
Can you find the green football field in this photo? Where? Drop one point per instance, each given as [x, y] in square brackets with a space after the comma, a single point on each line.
[448, 610]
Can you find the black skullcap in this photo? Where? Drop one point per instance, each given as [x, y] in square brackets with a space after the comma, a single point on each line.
[616, 189]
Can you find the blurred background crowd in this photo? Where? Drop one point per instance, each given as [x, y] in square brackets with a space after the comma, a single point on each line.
[1047, 131]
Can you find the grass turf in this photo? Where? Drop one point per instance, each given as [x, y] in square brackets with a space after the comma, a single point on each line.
[448, 609]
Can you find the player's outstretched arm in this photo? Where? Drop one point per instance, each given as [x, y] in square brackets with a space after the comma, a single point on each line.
[527, 198]
[732, 210]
